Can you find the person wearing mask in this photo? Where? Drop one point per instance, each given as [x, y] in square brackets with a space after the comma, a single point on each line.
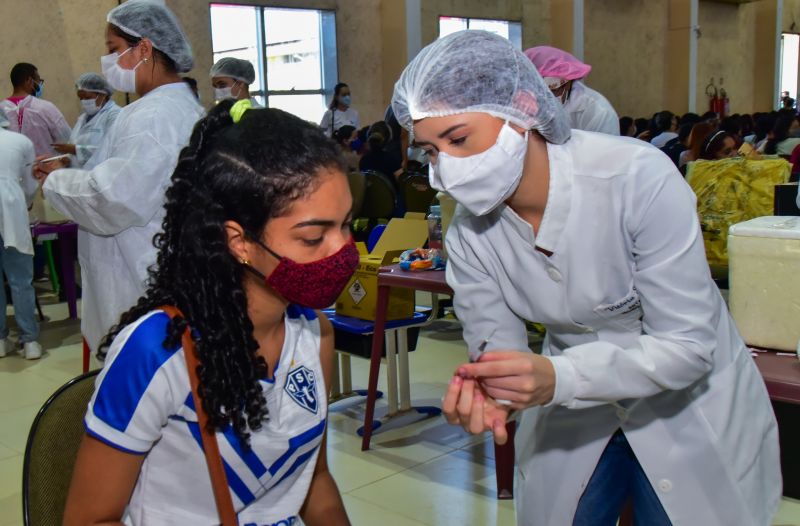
[644, 389]
[345, 138]
[719, 145]
[563, 73]
[679, 144]
[35, 118]
[17, 188]
[627, 128]
[231, 79]
[778, 140]
[118, 198]
[340, 112]
[666, 128]
[251, 184]
[99, 114]
[696, 141]
[787, 102]
[378, 158]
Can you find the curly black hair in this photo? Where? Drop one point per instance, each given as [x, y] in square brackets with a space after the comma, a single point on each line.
[247, 172]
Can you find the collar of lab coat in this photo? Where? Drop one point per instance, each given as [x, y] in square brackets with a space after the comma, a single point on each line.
[559, 199]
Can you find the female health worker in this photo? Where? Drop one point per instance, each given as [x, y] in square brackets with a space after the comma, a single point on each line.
[99, 114]
[118, 199]
[644, 388]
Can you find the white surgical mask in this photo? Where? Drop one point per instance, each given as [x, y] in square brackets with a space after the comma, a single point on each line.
[121, 79]
[481, 182]
[226, 93]
[89, 106]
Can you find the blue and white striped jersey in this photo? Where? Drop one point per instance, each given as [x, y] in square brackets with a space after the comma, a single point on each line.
[143, 404]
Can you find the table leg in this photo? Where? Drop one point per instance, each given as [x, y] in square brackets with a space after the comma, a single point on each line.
[333, 390]
[391, 371]
[375, 363]
[402, 369]
[504, 464]
[347, 374]
[67, 244]
[86, 353]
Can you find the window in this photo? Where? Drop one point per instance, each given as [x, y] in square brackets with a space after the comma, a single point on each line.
[504, 28]
[292, 50]
[790, 56]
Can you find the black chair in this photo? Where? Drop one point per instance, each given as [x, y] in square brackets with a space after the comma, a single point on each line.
[417, 192]
[786, 200]
[50, 453]
[358, 188]
[380, 196]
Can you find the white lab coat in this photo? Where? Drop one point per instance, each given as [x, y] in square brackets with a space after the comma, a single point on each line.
[118, 201]
[17, 188]
[637, 332]
[590, 111]
[42, 122]
[348, 117]
[88, 133]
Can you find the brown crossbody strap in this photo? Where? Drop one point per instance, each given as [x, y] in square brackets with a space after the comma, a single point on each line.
[219, 482]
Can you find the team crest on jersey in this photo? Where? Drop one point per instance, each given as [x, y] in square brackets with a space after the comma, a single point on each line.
[302, 386]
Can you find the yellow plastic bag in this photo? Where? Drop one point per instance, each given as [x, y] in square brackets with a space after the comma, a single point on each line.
[731, 191]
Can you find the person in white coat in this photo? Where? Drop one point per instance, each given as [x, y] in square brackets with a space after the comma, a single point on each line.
[644, 388]
[37, 119]
[118, 198]
[588, 109]
[231, 78]
[98, 115]
[17, 188]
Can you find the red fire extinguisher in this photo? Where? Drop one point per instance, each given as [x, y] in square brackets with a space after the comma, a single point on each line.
[713, 97]
[724, 101]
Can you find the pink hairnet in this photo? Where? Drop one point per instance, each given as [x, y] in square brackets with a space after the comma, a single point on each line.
[553, 62]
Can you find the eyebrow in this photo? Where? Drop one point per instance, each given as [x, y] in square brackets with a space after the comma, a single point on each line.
[319, 222]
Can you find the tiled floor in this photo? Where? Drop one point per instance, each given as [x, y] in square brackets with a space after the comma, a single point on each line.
[425, 473]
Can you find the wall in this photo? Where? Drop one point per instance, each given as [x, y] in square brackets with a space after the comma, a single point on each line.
[63, 38]
[726, 51]
[625, 42]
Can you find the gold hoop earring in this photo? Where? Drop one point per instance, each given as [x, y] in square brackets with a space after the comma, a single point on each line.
[244, 261]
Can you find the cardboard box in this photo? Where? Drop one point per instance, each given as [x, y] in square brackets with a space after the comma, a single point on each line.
[360, 296]
[764, 257]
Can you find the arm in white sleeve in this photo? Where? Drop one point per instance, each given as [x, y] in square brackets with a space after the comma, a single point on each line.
[27, 181]
[83, 152]
[680, 308]
[325, 123]
[357, 120]
[57, 125]
[125, 190]
[478, 300]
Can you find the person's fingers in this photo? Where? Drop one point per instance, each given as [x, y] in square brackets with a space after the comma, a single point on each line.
[451, 399]
[464, 406]
[515, 397]
[476, 423]
[487, 368]
[499, 431]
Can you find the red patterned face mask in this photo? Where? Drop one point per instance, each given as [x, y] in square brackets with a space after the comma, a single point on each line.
[315, 285]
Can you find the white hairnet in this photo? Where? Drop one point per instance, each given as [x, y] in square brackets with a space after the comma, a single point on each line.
[4, 120]
[153, 20]
[477, 71]
[235, 68]
[95, 83]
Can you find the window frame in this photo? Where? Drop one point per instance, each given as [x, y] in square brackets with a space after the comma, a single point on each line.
[329, 63]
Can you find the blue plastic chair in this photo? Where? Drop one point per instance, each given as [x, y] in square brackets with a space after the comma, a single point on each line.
[374, 236]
